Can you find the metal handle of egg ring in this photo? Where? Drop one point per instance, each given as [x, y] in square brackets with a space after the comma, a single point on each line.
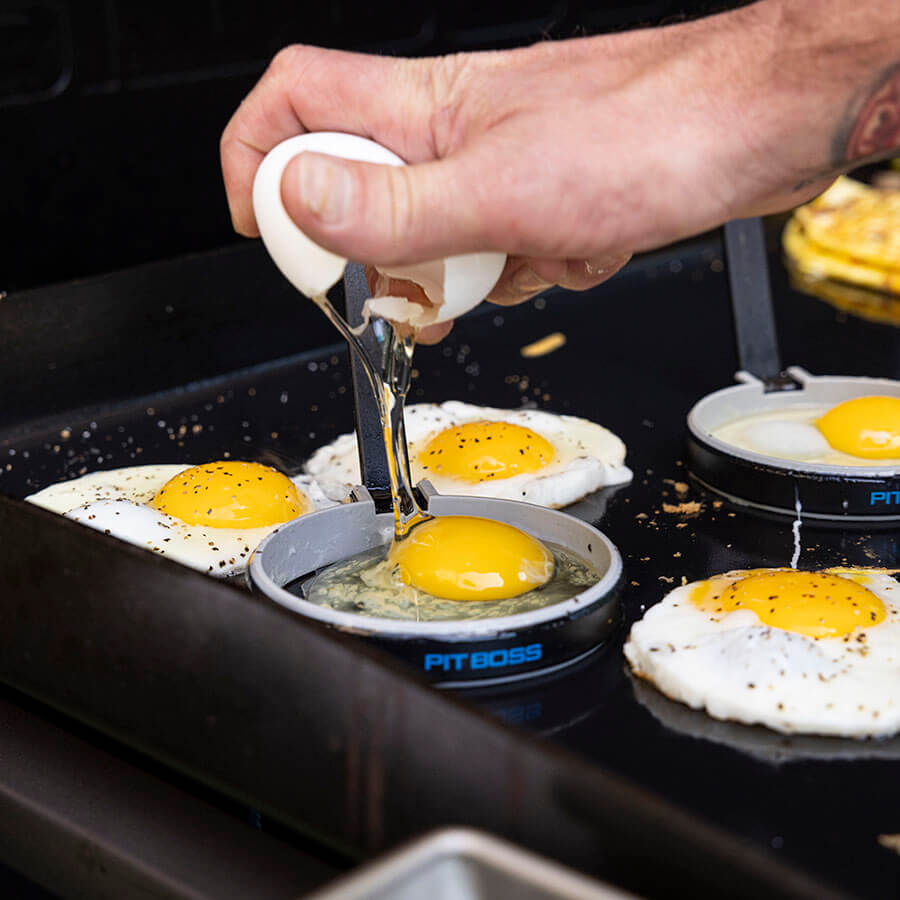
[373, 461]
[751, 304]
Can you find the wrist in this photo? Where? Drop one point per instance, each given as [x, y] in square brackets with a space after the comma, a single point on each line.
[836, 65]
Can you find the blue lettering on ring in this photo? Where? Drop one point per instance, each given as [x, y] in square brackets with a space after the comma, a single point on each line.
[502, 658]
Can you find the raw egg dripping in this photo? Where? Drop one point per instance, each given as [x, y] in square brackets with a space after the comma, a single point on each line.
[452, 557]
[457, 284]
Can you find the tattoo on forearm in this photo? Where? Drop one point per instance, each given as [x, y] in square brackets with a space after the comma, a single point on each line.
[872, 127]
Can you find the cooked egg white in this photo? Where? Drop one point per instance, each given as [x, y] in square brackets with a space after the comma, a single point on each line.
[798, 652]
[209, 517]
[863, 431]
[531, 455]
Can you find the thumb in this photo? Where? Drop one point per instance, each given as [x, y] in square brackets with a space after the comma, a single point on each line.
[383, 214]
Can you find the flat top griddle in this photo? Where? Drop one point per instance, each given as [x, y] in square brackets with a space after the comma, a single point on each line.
[640, 351]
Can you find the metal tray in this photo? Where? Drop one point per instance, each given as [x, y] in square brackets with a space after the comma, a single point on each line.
[464, 864]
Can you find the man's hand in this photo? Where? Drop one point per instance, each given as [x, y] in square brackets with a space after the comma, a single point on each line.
[569, 156]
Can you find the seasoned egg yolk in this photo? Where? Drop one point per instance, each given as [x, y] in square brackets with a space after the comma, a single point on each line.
[481, 451]
[816, 604]
[467, 558]
[231, 494]
[865, 426]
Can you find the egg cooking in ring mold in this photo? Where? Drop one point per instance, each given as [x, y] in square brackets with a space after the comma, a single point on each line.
[453, 652]
[454, 284]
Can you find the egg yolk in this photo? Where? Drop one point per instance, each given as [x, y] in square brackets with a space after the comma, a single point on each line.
[865, 426]
[481, 451]
[816, 604]
[467, 558]
[231, 494]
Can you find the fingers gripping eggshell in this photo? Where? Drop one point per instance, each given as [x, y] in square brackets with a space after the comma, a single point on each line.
[310, 268]
[454, 285]
[530, 455]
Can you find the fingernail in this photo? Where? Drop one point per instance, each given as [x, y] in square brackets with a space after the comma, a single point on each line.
[527, 281]
[604, 264]
[325, 187]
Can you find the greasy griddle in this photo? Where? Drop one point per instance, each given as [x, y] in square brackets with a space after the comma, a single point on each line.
[640, 351]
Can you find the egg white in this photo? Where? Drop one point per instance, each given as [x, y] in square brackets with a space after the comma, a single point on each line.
[115, 502]
[790, 433]
[736, 668]
[587, 456]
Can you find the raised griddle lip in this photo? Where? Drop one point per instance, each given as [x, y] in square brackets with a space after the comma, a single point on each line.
[131, 630]
[684, 288]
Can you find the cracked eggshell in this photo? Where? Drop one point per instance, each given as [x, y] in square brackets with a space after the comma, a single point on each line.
[454, 285]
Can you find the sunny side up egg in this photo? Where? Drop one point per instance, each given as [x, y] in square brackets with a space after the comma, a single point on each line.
[799, 652]
[864, 431]
[479, 451]
[209, 517]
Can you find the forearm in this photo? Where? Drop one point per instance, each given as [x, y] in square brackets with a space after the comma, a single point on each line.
[774, 99]
[835, 66]
[567, 154]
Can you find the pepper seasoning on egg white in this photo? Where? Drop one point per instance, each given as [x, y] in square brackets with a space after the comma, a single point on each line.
[479, 451]
[798, 652]
[209, 517]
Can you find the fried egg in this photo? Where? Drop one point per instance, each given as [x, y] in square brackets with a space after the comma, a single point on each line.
[799, 652]
[530, 455]
[209, 517]
[862, 431]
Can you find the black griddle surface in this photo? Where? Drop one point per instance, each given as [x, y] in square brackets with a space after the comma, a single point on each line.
[640, 351]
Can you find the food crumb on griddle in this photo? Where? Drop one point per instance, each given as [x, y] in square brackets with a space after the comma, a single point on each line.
[545, 345]
[681, 487]
[686, 508]
[890, 841]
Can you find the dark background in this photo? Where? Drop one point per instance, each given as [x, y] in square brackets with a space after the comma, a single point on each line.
[110, 115]
[111, 111]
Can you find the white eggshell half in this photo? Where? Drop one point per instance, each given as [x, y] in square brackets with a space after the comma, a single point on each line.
[310, 268]
[454, 285]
